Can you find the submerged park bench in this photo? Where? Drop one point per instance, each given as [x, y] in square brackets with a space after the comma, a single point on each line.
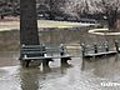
[45, 54]
[97, 50]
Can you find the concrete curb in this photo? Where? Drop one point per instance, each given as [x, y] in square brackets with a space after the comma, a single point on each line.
[96, 32]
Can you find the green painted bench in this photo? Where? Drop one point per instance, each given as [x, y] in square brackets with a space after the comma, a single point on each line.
[30, 53]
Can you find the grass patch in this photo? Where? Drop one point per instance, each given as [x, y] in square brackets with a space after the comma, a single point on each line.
[56, 24]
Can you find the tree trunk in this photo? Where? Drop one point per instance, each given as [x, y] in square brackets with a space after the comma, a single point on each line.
[28, 23]
[2, 16]
[51, 6]
[112, 19]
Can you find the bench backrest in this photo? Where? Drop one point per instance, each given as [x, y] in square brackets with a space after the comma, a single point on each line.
[39, 50]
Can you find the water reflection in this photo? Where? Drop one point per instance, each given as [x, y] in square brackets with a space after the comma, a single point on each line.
[83, 75]
[117, 57]
[34, 78]
[83, 65]
[104, 67]
[29, 79]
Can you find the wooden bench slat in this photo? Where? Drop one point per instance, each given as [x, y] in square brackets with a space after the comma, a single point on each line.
[100, 54]
[36, 52]
[43, 58]
[39, 52]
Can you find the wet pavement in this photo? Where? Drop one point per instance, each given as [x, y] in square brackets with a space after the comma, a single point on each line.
[94, 74]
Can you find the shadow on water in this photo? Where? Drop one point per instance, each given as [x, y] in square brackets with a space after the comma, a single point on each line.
[28, 80]
[35, 79]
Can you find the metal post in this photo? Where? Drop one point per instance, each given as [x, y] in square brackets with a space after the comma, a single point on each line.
[43, 50]
[62, 53]
[116, 45]
[62, 50]
[95, 48]
[83, 49]
[106, 47]
[45, 63]
[44, 54]
[27, 62]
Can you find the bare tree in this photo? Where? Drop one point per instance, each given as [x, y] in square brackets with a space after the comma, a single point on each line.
[111, 11]
[28, 23]
[82, 7]
[109, 8]
[56, 7]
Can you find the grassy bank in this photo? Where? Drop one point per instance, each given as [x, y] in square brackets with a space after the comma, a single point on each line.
[10, 25]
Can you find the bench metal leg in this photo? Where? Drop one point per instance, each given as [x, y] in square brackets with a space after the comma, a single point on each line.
[45, 63]
[46, 67]
[25, 63]
[64, 61]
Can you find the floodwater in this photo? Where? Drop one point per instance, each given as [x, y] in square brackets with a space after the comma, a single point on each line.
[94, 74]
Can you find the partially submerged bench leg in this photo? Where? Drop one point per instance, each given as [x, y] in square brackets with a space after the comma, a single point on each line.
[64, 61]
[46, 67]
[45, 63]
[25, 63]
